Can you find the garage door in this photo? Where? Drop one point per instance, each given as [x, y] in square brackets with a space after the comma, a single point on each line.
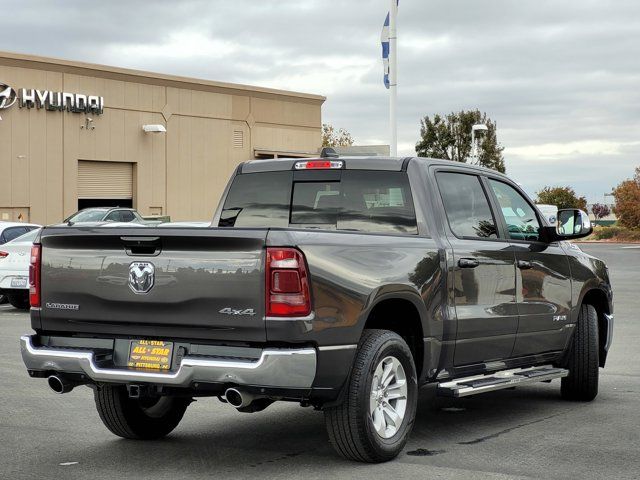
[105, 180]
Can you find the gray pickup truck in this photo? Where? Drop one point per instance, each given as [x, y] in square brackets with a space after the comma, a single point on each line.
[344, 284]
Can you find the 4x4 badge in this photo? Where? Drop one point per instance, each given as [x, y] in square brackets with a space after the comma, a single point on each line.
[233, 311]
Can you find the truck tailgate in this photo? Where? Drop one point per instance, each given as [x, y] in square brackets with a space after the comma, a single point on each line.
[206, 283]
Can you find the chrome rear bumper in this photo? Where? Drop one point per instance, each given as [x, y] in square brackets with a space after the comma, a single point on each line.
[280, 368]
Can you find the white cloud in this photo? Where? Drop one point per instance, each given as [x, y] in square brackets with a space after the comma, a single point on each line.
[560, 78]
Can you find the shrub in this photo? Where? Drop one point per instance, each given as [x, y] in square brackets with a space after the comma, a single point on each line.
[607, 233]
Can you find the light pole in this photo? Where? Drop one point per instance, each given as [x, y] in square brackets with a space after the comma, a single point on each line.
[479, 127]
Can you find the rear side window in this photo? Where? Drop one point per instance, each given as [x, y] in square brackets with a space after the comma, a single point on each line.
[466, 205]
[258, 200]
[366, 201]
[127, 216]
[12, 233]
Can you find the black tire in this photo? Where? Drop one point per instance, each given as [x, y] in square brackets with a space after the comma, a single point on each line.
[139, 419]
[19, 301]
[349, 425]
[3, 298]
[582, 361]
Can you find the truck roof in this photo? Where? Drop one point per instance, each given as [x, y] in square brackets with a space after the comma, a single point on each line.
[392, 164]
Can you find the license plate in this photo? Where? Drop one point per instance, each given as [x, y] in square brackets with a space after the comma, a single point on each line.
[19, 282]
[150, 354]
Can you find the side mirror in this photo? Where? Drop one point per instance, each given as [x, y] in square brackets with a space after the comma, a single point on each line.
[573, 223]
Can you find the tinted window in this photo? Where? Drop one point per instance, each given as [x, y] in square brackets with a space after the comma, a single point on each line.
[258, 200]
[520, 217]
[12, 233]
[375, 202]
[466, 205]
[28, 237]
[316, 203]
[126, 216]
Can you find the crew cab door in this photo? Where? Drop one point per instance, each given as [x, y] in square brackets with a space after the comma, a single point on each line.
[543, 277]
[483, 278]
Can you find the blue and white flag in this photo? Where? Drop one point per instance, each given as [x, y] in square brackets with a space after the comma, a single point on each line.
[384, 39]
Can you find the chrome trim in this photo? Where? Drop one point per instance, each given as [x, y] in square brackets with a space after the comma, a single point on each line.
[283, 368]
[329, 348]
[308, 318]
[609, 319]
[454, 388]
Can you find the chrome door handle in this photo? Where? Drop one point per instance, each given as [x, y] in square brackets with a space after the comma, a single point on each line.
[468, 263]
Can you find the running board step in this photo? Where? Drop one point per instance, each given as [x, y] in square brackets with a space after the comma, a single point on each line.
[463, 387]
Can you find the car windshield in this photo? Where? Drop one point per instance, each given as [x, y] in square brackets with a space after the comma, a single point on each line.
[27, 237]
[87, 216]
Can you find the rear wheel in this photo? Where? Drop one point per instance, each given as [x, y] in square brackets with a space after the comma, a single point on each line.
[19, 300]
[582, 361]
[377, 414]
[3, 299]
[142, 419]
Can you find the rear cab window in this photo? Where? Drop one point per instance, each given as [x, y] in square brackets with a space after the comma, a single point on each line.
[363, 201]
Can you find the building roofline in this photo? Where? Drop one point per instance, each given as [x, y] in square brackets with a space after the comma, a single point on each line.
[140, 76]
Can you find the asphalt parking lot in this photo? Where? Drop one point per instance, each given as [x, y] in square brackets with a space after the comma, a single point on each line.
[525, 433]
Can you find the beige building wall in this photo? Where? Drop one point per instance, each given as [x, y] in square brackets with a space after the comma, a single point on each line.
[211, 127]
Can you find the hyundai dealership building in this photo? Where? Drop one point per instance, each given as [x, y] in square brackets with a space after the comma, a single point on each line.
[74, 135]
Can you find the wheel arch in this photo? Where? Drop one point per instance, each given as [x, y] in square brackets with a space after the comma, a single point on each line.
[402, 311]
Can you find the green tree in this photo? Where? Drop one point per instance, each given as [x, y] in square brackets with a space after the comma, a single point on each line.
[449, 138]
[561, 197]
[627, 196]
[335, 138]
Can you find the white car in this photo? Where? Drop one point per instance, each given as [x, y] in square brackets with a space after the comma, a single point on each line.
[14, 269]
[12, 230]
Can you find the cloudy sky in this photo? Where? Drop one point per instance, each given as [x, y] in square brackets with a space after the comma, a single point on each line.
[561, 78]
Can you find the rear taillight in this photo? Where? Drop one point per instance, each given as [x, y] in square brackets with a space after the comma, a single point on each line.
[4, 254]
[287, 283]
[35, 264]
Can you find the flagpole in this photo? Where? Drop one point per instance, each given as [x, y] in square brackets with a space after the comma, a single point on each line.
[393, 76]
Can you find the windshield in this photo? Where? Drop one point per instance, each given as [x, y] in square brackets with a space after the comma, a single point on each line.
[87, 216]
[27, 237]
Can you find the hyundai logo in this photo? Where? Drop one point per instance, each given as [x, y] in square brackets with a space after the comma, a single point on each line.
[8, 96]
[141, 277]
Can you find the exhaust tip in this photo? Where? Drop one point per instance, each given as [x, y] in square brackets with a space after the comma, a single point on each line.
[234, 397]
[59, 385]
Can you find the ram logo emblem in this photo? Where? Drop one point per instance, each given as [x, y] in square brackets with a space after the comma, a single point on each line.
[141, 277]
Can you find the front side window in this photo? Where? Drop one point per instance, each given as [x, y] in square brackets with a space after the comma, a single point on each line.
[466, 205]
[520, 217]
[113, 217]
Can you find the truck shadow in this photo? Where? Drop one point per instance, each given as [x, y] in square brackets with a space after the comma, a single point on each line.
[283, 436]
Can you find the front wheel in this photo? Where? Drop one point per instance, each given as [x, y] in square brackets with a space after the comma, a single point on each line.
[373, 422]
[582, 361]
[141, 419]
